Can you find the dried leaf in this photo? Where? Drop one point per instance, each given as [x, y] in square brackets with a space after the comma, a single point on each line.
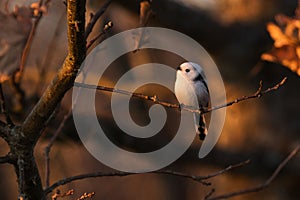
[280, 39]
[287, 56]
[15, 28]
[286, 36]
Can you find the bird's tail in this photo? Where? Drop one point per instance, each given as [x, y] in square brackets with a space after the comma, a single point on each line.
[200, 126]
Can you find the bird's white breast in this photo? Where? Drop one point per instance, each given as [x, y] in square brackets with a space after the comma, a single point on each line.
[185, 92]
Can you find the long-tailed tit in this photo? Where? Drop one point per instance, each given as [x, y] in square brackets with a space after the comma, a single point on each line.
[190, 78]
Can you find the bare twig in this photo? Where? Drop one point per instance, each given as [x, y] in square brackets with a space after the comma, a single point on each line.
[52, 140]
[155, 100]
[84, 176]
[3, 107]
[137, 95]
[209, 194]
[257, 94]
[50, 144]
[95, 17]
[263, 185]
[230, 167]
[28, 43]
[17, 76]
[199, 179]
[106, 28]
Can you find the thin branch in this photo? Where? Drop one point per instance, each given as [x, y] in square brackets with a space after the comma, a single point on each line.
[155, 100]
[84, 176]
[230, 167]
[17, 76]
[95, 17]
[199, 179]
[19, 72]
[209, 194]
[49, 146]
[259, 93]
[29, 42]
[106, 28]
[263, 185]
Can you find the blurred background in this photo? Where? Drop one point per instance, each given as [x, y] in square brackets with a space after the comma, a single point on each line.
[234, 32]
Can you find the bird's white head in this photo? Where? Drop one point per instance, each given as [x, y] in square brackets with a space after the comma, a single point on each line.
[191, 71]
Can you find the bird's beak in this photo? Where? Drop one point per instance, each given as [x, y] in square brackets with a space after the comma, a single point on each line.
[179, 68]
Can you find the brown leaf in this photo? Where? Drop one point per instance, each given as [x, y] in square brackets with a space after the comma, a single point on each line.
[15, 28]
[286, 36]
[287, 56]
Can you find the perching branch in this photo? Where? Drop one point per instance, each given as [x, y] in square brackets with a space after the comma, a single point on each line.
[199, 179]
[263, 185]
[155, 100]
[259, 93]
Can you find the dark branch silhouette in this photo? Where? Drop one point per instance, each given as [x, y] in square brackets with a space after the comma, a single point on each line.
[199, 179]
[261, 186]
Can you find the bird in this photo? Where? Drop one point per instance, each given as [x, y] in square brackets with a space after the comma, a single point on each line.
[190, 78]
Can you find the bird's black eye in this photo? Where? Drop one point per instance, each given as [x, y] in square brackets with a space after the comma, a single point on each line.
[187, 70]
